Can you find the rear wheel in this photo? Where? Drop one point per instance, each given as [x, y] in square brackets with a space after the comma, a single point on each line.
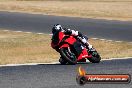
[95, 57]
[68, 55]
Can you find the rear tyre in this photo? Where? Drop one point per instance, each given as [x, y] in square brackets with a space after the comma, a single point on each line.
[68, 55]
[95, 57]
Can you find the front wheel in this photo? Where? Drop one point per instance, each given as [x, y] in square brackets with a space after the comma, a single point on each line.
[68, 55]
[62, 61]
[95, 57]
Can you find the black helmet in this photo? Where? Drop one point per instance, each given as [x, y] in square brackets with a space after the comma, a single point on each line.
[56, 28]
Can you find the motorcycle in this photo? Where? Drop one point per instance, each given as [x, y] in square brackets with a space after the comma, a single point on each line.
[72, 50]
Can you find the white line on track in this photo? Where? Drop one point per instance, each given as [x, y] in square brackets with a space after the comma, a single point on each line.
[40, 33]
[118, 41]
[91, 38]
[102, 39]
[130, 42]
[94, 38]
[117, 58]
[109, 40]
[5, 30]
[28, 32]
[18, 31]
[29, 64]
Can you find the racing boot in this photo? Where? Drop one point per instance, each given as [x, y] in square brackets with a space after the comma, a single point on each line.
[82, 60]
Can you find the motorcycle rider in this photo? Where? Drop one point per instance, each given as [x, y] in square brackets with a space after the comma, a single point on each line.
[58, 28]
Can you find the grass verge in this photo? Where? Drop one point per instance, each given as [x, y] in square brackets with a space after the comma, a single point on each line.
[101, 9]
[19, 48]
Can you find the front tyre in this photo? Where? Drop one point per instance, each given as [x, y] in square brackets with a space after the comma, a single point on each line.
[95, 57]
[62, 61]
[68, 55]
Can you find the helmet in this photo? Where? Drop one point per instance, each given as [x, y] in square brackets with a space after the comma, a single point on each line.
[56, 28]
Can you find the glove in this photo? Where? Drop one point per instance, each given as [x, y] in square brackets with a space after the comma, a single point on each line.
[80, 34]
[90, 46]
[68, 32]
[75, 33]
[84, 40]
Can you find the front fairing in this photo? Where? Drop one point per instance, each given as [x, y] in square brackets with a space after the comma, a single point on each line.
[57, 37]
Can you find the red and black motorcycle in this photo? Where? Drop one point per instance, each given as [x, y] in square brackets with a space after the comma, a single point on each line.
[72, 50]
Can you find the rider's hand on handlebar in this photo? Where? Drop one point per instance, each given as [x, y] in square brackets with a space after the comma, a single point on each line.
[84, 40]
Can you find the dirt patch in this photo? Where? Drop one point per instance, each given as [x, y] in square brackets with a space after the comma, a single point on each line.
[19, 48]
[98, 9]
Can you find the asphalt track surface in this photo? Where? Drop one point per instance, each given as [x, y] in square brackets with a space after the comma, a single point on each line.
[64, 76]
[113, 30]
[61, 76]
